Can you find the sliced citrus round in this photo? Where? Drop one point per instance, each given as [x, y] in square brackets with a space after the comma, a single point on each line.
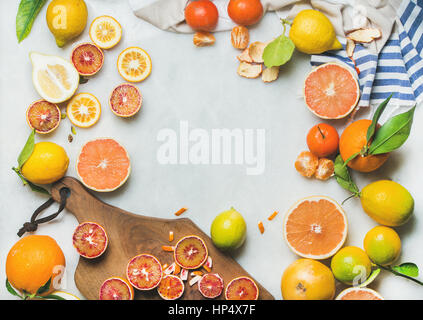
[90, 240]
[64, 295]
[331, 91]
[171, 287]
[134, 64]
[355, 293]
[190, 252]
[116, 288]
[83, 110]
[87, 58]
[125, 100]
[103, 165]
[43, 116]
[315, 227]
[242, 288]
[54, 78]
[144, 272]
[105, 32]
[210, 285]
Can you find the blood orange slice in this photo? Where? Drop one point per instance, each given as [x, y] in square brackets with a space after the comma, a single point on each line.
[103, 165]
[90, 240]
[190, 252]
[315, 227]
[242, 288]
[125, 100]
[355, 293]
[210, 285]
[87, 59]
[171, 287]
[331, 91]
[116, 288]
[144, 272]
[43, 116]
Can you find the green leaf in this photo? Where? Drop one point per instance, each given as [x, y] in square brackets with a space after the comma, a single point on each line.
[27, 12]
[371, 278]
[372, 129]
[44, 288]
[27, 150]
[408, 268]
[393, 133]
[278, 52]
[11, 290]
[52, 296]
[343, 177]
[33, 186]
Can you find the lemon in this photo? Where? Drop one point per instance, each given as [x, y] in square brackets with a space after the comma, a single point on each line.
[351, 265]
[228, 230]
[54, 78]
[313, 33]
[47, 163]
[387, 202]
[66, 19]
[382, 245]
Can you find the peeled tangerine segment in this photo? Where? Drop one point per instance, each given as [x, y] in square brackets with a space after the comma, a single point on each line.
[125, 100]
[105, 32]
[116, 288]
[210, 285]
[144, 272]
[242, 288]
[83, 110]
[87, 59]
[171, 287]
[43, 116]
[315, 227]
[190, 252]
[103, 165]
[134, 64]
[270, 74]
[203, 39]
[249, 70]
[306, 164]
[90, 240]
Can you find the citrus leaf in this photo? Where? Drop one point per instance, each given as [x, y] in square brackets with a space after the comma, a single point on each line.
[393, 133]
[44, 288]
[27, 12]
[51, 296]
[11, 290]
[343, 177]
[372, 128]
[27, 150]
[408, 268]
[33, 187]
[278, 52]
[371, 278]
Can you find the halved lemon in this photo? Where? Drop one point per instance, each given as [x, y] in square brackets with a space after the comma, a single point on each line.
[134, 64]
[84, 110]
[54, 78]
[105, 32]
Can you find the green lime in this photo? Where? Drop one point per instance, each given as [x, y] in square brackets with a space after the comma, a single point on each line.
[382, 245]
[351, 265]
[228, 230]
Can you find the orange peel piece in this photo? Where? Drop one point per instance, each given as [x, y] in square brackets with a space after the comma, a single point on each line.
[244, 56]
[180, 211]
[270, 74]
[248, 70]
[261, 227]
[273, 215]
[364, 35]
[350, 48]
[255, 51]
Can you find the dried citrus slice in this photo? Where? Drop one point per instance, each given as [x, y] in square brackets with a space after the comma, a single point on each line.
[90, 240]
[43, 116]
[134, 64]
[125, 100]
[105, 32]
[356, 293]
[331, 91]
[54, 78]
[144, 272]
[190, 252]
[103, 165]
[116, 288]
[315, 227]
[171, 287]
[87, 58]
[210, 285]
[83, 110]
[242, 288]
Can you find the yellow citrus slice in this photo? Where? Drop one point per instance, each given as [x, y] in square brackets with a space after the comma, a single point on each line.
[54, 78]
[84, 110]
[134, 64]
[105, 32]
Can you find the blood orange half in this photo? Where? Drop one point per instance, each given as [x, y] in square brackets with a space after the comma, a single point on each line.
[171, 287]
[125, 100]
[315, 227]
[144, 272]
[210, 285]
[331, 91]
[87, 59]
[43, 116]
[103, 165]
[116, 288]
[190, 252]
[90, 240]
[242, 288]
[355, 293]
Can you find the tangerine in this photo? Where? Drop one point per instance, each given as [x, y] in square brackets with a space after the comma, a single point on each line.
[201, 15]
[323, 140]
[245, 12]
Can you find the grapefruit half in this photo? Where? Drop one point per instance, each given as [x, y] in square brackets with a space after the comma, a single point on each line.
[355, 293]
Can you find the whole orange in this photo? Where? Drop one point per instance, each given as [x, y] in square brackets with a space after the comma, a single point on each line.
[201, 15]
[32, 261]
[323, 140]
[245, 12]
[353, 139]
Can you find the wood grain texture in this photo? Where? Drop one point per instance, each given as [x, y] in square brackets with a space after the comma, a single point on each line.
[131, 234]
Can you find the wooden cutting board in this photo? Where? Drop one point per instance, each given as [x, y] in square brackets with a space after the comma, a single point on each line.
[131, 234]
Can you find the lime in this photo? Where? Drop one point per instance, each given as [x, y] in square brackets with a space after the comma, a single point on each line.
[382, 245]
[351, 265]
[228, 230]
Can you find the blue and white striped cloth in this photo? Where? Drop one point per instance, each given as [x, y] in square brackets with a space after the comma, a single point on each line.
[397, 69]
